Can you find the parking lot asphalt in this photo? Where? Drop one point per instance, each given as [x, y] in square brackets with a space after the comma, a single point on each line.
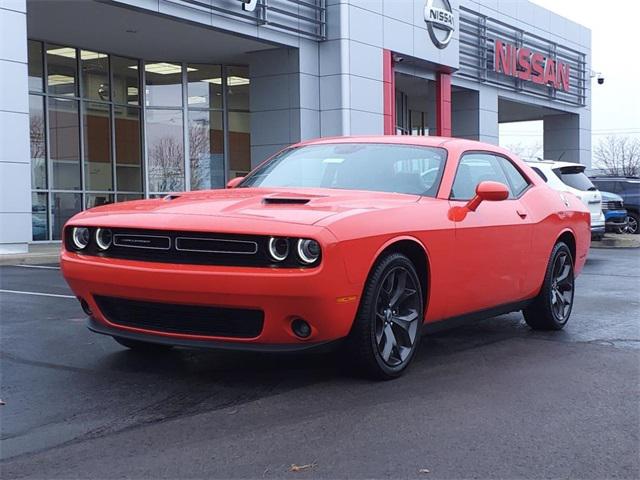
[488, 400]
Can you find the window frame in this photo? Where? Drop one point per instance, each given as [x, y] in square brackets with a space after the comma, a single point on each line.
[497, 155]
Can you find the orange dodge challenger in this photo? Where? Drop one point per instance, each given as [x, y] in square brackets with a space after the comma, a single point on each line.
[367, 239]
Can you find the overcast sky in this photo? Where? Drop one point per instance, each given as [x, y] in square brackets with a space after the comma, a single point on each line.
[615, 39]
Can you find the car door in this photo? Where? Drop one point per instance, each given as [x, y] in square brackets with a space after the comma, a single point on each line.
[493, 243]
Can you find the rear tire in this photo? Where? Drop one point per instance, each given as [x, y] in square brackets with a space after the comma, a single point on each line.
[552, 307]
[142, 347]
[386, 331]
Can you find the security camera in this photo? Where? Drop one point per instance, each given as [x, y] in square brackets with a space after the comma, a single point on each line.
[599, 76]
[398, 58]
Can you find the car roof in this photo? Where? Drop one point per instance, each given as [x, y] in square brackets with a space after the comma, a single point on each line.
[610, 195]
[425, 141]
[619, 178]
[554, 163]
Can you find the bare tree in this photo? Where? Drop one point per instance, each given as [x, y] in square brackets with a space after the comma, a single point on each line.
[526, 151]
[166, 165]
[206, 159]
[38, 150]
[617, 155]
[198, 148]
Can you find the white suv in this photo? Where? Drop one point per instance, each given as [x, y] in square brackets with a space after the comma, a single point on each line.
[570, 177]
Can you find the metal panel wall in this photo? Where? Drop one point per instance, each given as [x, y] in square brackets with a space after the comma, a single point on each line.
[306, 18]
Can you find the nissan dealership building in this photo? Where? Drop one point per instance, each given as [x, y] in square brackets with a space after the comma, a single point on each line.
[114, 100]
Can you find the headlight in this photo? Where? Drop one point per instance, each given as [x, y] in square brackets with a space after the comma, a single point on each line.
[80, 237]
[308, 250]
[278, 248]
[103, 238]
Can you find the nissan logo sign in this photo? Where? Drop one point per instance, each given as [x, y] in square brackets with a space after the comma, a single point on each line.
[440, 21]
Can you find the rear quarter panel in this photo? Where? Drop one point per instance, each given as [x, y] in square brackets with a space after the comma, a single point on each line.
[552, 218]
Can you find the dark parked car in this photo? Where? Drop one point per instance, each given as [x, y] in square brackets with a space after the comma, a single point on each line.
[629, 189]
[615, 215]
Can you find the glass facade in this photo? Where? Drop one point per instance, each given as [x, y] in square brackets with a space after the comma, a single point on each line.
[107, 128]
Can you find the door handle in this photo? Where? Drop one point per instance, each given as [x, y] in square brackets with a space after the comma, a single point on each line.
[522, 213]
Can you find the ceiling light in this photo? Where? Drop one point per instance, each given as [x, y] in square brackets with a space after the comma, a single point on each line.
[68, 52]
[196, 99]
[60, 80]
[163, 68]
[132, 91]
[237, 81]
[63, 52]
[231, 81]
[89, 55]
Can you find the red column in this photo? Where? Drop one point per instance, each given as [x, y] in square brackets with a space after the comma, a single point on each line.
[443, 104]
[389, 88]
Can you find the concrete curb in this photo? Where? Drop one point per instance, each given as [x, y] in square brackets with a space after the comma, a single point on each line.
[29, 259]
[37, 254]
[618, 241]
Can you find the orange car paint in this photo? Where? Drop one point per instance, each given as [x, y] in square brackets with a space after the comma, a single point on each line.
[493, 256]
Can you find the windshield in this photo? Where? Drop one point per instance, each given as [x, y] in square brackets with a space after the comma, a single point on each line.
[575, 178]
[357, 166]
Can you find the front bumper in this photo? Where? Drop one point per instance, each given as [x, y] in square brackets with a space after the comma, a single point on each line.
[322, 296]
[99, 327]
[615, 219]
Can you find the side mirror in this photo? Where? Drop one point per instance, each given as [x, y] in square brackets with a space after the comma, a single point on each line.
[488, 191]
[233, 183]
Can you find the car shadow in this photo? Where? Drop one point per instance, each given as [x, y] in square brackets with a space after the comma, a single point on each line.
[251, 367]
[182, 382]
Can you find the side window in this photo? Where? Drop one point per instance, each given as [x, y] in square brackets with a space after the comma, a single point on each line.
[606, 186]
[473, 169]
[517, 181]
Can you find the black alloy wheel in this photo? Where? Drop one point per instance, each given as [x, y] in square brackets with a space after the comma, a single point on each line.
[562, 287]
[632, 224]
[397, 314]
[386, 332]
[552, 307]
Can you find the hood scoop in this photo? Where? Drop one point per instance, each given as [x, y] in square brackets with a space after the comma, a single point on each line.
[285, 200]
[171, 196]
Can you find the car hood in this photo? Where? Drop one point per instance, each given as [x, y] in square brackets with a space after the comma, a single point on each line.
[296, 206]
[610, 197]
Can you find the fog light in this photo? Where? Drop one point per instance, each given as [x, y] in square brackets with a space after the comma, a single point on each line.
[85, 307]
[301, 328]
[80, 237]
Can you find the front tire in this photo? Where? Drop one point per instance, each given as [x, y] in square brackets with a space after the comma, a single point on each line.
[552, 307]
[142, 347]
[386, 331]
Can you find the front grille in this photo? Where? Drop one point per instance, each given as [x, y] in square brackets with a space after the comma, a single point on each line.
[148, 242]
[612, 205]
[195, 248]
[216, 245]
[184, 319]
